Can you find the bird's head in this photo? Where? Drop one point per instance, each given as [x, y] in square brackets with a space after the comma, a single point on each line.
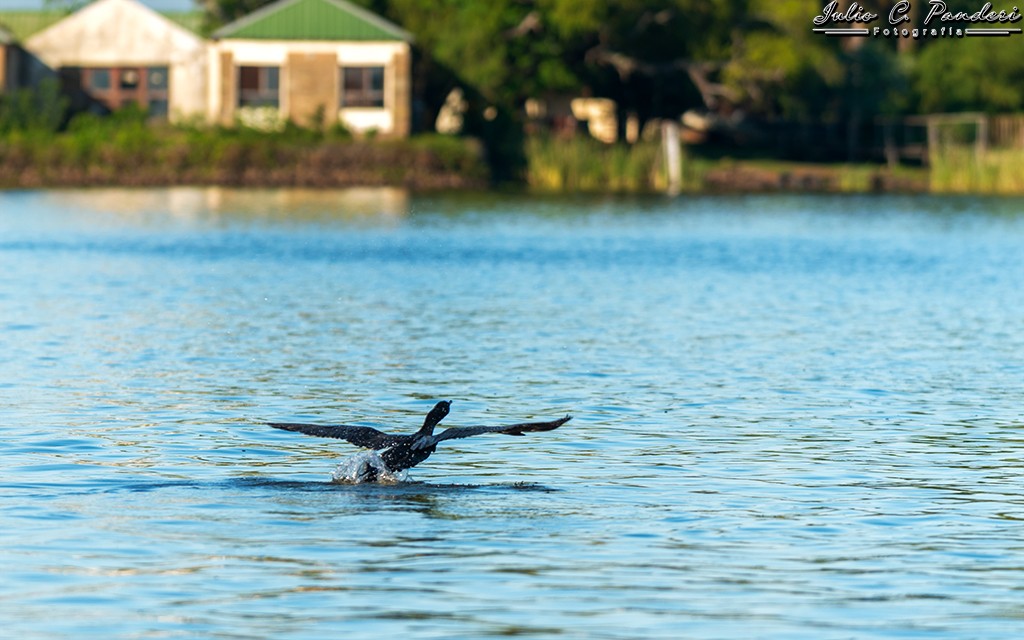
[436, 415]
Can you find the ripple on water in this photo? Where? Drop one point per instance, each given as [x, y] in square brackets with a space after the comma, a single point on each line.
[794, 415]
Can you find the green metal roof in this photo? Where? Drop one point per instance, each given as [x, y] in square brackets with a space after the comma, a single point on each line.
[19, 25]
[22, 24]
[313, 20]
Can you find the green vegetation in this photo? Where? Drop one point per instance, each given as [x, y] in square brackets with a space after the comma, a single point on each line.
[126, 149]
[583, 164]
[33, 111]
[971, 74]
[958, 169]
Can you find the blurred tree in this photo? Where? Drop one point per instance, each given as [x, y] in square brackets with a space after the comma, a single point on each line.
[503, 49]
[217, 13]
[778, 66]
[970, 74]
[655, 59]
[501, 52]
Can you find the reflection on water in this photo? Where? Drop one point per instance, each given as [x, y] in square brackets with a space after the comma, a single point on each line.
[795, 417]
[202, 202]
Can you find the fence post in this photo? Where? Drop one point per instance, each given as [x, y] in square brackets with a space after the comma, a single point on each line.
[673, 156]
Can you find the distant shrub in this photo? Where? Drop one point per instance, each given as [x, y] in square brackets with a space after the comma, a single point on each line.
[462, 155]
[40, 109]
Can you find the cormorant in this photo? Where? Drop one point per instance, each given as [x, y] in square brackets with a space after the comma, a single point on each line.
[399, 452]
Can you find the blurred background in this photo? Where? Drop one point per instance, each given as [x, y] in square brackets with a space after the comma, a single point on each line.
[742, 80]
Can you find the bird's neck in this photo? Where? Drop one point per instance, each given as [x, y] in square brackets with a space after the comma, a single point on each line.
[428, 427]
[435, 416]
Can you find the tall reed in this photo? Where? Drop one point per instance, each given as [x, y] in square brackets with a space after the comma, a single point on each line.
[959, 169]
[584, 164]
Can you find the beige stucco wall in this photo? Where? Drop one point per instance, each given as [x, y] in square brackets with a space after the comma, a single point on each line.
[126, 33]
[313, 88]
[299, 99]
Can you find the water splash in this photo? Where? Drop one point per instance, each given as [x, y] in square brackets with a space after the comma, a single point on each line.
[365, 466]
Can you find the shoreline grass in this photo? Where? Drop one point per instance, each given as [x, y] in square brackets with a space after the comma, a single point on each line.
[126, 150]
[959, 169]
[582, 164]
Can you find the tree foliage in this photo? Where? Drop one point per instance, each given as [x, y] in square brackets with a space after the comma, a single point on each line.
[973, 74]
[217, 13]
[662, 58]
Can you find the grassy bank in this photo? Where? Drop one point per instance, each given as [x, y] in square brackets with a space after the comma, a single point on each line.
[757, 176]
[126, 150]
[958, 169]
[583, 164]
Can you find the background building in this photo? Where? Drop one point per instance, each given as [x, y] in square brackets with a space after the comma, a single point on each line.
[315, 62]
[115, 52]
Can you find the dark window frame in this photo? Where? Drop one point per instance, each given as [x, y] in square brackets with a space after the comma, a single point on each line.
[363, 86]
[117, 87]
[258, 86]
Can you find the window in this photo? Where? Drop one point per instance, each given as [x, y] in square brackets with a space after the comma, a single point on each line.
[129, 79]
[156, 87]
[99, 79]
[157, 79]
[362, 86]
[115, 87]
[258, 86]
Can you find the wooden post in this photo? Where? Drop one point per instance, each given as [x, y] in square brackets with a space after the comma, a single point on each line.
[670, 142]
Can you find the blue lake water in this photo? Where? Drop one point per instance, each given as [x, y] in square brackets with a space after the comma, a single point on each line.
[794, 417]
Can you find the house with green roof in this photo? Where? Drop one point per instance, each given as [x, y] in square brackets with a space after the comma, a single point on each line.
[312, 62]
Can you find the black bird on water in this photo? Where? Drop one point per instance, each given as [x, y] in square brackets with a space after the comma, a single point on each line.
[399, 452]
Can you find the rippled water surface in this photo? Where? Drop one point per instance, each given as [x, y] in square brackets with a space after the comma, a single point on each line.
[795, 417]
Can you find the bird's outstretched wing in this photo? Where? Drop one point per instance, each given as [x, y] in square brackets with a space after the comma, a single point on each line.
[509, 430]
[367, 437]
